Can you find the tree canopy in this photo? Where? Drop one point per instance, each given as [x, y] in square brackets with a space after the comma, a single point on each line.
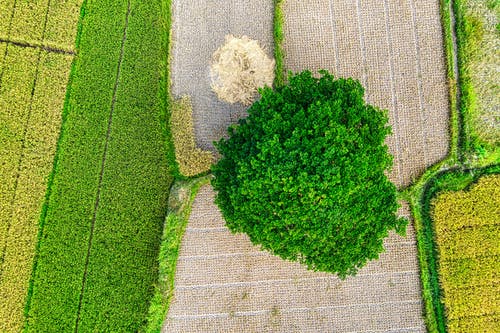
[304, 175]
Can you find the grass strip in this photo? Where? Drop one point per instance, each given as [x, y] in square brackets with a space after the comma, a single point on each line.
[6, 9]
[279, 36]
[134, 187]
[15, 105]
[474, 57]
[181, 198]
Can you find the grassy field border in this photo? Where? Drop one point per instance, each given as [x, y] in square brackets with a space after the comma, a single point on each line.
[456, 161]
[279, 37]
[181, 199]
[476, 151]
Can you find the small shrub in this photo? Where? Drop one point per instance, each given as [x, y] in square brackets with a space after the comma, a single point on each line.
[304, 174]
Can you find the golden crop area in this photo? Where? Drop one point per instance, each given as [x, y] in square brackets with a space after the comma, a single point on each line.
[35, 61]
[467, 227]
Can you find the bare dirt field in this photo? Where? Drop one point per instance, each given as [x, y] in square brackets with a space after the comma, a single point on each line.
[395, 48]
[225, 284]
[199, 28]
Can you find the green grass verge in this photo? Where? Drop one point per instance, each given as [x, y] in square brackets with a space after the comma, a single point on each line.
[454, 179]
[278, 35]
[478, 92]
[96, 262]
[181, 199]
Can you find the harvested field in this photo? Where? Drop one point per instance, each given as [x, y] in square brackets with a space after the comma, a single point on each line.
[224, 283]
[395, 49]
[198, 30]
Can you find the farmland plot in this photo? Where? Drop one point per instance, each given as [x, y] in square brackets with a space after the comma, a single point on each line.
[224, 283]
[32, 89]
[395, 49]
[97, 250]
[467, 232]
[198, 30]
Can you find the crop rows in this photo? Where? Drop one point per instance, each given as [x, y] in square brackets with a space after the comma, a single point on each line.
[52, 23]
[467, 233]
[33, 85]
[97, 251]
[31, 116]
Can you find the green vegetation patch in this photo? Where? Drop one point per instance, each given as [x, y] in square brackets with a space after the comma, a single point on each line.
[311, 143]
[97, 254]
[478, 41]
[470, 279]
[180, 201]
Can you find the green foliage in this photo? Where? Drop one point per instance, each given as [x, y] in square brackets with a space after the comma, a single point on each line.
[181, 198]
[304, 175]
[108, 194]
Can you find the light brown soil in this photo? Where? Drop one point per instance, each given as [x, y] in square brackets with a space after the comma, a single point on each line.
[225, 284]
[395, 49]
[199, 29]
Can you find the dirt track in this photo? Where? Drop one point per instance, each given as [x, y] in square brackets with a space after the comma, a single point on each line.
[395, 49]
[225, 284]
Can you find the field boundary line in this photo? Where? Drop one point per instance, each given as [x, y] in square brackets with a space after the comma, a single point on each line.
[9, 30]
[37, 46]
[23, 144]
[362, 47]
[334, 38]
[289, 310]
[98, 194]
[416, 40]
[393, 90]
[250, 283]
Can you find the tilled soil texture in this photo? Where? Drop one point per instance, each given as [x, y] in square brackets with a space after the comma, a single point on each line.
[198, 30]
[225, 284]
[395, 48]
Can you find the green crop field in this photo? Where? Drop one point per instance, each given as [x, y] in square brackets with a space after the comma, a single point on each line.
[467, 233]
[96, 262]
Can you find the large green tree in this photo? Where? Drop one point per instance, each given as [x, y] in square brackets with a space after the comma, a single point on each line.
[304, 175]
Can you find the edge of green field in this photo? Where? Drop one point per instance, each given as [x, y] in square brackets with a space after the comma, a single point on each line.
[50, 181]
[121, 120]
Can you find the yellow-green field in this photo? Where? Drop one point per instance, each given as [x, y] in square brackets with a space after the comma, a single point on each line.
[467, 225]
[33, 83]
